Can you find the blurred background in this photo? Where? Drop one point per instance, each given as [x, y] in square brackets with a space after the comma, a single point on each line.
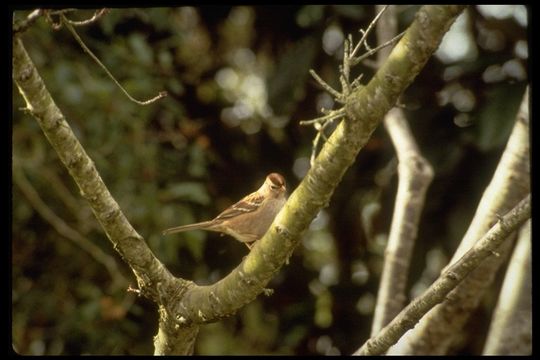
[238, 85]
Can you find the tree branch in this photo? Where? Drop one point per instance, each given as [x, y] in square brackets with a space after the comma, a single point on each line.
[438, 291]
[97, 15]
[511, 181]
[510, 332]
[415, 175]
[70, 27]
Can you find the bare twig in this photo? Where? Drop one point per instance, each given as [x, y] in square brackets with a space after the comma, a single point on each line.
[356, 82]
[344, 80]
[320, 124]
[335, 93]
[366, 32]
[320, 134]
[55, 24]
[438, 291]
[357, 60]
[349, 56]
[97, 14]
[162, 94]
[347, 86]
[332, 115]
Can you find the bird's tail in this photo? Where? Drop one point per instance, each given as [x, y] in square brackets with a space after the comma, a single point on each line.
[205, 225]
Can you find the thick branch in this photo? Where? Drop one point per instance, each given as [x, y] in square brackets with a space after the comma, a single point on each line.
[438, 291]
[365, 108]
[151, 274]
[172, 337]
[510, 331]
[415, 175]
[511, 181]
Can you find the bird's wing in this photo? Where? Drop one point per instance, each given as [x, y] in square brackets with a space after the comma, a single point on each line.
[248, 204]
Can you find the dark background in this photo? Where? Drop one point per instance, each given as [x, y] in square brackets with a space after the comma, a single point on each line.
[238, 85]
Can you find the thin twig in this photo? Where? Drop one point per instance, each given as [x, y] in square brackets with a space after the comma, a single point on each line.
[320, 128]
[320, 134]
[357, 60]
[62, 11]
[97, 14]
[94, 57]
[349, 56]
[337, 95]
[344, 80]
[366, 33]
[346, 55]
[346, 86]
[356, 82]
[314, 149]
[56, 25]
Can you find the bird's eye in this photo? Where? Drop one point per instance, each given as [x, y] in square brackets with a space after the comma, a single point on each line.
[274, 187]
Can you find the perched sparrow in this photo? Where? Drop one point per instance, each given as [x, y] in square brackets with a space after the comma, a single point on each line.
[249, 219]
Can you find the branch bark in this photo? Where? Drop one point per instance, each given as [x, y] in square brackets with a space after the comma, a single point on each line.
[415, 175]
[511, 181]
[510, 331]
[438, 291]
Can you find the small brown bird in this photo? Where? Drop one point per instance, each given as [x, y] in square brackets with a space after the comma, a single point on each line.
[249, 219]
